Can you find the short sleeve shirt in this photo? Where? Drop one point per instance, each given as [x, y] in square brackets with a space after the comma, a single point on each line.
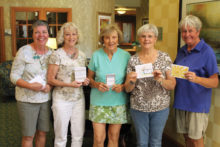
[66, 74]
[148, 95]
[101, 65]
[190, 96]
[27, 65]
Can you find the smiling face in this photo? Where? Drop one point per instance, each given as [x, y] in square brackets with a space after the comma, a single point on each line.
[147, 40]
[190, 36]
[70, 37]
[40, 35]
[111, 41]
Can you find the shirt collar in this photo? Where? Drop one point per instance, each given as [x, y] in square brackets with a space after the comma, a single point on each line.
[197, 48]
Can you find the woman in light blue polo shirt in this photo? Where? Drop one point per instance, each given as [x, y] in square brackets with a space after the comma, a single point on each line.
[107, 71]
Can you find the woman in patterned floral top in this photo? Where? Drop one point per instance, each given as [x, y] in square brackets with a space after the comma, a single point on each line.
[28, 73]
[150, 96]
[68, 98]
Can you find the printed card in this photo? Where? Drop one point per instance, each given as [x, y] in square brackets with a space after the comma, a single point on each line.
[38, 79]
[144, 70]
[178, 71]
[110, 79]
[80, 74]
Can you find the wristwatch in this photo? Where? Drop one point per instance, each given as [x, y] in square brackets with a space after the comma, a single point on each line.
[161, 81]
[132, 83]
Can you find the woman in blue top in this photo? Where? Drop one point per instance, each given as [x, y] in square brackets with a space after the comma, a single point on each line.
[193, 95]
[107, 71]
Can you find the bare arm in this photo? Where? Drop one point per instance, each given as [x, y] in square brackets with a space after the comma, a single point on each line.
[33, 86]
[99, 85]
[131, 79]
[51, 78]
[210, 82]
[169, 83]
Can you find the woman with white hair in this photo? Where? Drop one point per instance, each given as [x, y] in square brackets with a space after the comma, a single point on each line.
[150, 96]
[193, 95]
[68, 98]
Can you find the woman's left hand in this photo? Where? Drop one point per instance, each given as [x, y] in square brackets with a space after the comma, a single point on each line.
[118, 88]
[47, 88]
[191, 76]
[86, 82]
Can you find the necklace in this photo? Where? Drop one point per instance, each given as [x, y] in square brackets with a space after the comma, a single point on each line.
[71, 53]
[72, 56]
[40, 57]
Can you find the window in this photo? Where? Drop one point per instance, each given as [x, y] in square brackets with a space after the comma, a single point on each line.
[2, 37]
[23, 18]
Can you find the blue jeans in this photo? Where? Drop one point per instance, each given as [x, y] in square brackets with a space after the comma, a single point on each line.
[149, 127]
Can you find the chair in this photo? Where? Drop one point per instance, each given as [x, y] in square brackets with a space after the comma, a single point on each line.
[7, 89]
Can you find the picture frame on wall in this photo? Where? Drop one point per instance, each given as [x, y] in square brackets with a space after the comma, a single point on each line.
[103, 20]
[145, 21]
[208, 12]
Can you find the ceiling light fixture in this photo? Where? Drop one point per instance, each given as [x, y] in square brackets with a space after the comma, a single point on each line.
[121, 11]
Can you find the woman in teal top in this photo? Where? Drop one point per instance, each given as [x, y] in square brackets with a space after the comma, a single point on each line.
[107, 71]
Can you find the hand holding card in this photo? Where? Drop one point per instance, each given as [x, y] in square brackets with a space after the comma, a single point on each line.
[110, 79]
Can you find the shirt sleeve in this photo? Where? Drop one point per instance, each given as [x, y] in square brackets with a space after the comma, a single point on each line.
[54, 58]
[130, 66]
[18, 67]
[168, 62]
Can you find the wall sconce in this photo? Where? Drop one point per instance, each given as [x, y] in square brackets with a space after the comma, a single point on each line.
[52, 43]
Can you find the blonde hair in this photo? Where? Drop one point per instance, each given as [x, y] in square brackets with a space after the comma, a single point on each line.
[109, 29]
[69, 25]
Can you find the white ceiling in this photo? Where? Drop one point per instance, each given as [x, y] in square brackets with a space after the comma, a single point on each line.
[127, 3]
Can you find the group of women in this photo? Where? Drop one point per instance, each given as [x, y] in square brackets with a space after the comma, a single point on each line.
[112, 76]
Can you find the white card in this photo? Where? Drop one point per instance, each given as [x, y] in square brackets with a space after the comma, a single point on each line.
[144, 70]
[110, 79]
[80, 74]
[38, 79]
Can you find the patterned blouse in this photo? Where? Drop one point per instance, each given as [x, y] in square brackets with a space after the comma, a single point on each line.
[66, 74]
[27, 65]
[148, 95]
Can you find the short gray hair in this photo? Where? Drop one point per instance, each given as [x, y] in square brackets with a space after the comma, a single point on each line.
[147, 28]
[40, 23]
[69, 25]
[191, 21]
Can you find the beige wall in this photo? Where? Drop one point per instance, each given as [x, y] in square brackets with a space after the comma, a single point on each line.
[142, 12]
[165, 14]
[84, 14]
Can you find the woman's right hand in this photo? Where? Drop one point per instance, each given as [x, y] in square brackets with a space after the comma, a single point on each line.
[102, 87]
[76, 84]
[36, 86]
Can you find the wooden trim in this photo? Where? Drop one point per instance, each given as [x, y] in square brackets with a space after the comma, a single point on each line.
[2, 33]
